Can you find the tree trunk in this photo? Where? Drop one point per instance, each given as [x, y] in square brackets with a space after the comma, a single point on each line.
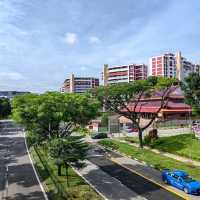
[59, 170]
[140, 138]
[49, 130]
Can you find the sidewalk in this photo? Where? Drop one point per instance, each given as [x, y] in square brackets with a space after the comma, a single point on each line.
[147, 172]
[170, 155]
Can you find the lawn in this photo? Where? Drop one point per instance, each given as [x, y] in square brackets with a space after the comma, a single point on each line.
[184, 145]
[59, 187]
[151, 158]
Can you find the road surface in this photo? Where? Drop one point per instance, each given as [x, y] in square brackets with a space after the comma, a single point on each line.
[115, 182]
[17, 178]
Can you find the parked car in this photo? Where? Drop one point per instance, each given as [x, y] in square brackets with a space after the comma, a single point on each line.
[195, 123]
[181, 180]
[100, 135]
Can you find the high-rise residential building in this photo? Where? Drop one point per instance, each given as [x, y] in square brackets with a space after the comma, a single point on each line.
[172, 65]
[124, 73]
[79, 84]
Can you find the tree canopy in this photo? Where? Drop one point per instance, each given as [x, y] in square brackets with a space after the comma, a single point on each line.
[51, 118]
[54, 114]
[117, 98]
[5, 108]
[191, 88]
[68, 151]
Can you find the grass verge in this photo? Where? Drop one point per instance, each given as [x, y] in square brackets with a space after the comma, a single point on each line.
[59, 187]
[151, 158]
[184, 145]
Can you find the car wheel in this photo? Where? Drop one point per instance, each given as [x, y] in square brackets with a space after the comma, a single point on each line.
[186, 190]
[165, 181]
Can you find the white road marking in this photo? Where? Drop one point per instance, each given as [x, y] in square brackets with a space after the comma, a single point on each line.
[41, 186]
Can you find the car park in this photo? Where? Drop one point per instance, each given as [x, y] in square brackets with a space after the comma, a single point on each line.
[181, 180]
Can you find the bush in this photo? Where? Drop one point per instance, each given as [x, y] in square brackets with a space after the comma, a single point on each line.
[110, 144]
[86, 194]
[5, 108]
[33, 138]
[151, 141]
[147, 140]
[84, 131]
[155, 143]
[153, 134]
[151, 138]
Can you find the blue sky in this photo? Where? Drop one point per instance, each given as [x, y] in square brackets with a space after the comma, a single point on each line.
[43, 41]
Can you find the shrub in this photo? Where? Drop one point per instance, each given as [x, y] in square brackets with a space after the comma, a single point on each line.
[147, 140]
[110, 144]
[153, 134]
[155, 143]
[84, 131]
[151, 138]
[33, 138]
[86, 194]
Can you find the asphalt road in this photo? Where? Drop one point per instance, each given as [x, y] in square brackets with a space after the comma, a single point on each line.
[17, 178]
[134, 182]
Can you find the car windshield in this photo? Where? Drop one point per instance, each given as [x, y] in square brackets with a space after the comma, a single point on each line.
[187, 179]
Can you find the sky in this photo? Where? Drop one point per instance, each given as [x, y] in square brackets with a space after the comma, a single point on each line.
[43, 41]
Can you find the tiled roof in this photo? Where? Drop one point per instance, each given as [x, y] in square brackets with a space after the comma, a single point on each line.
[152, 106]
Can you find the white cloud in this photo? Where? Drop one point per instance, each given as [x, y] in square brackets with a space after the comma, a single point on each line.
[94, 40]
[15, 76]
[71, 38]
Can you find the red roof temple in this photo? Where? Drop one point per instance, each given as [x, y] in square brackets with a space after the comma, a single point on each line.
[174, 106]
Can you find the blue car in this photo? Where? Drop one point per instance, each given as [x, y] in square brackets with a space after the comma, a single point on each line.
[181, 180]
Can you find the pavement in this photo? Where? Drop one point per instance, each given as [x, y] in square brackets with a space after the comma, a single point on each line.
[117, 182]
[18, 180]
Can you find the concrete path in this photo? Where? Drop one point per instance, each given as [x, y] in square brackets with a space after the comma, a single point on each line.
[18, 180]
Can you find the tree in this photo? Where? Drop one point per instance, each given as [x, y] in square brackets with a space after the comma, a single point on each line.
[191, 88]
[78, 110]
[54, 114]
[68, 151]
[117, 98]
[5, 107]
[24, 110]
